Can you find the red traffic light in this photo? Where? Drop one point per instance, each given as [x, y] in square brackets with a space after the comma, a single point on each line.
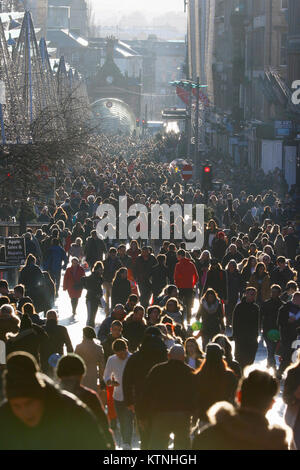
[8, 175]
[207, 169]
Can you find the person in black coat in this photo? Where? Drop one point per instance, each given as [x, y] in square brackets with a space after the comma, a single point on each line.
[245, 328]
[30, 338]
[121, 288]
[143, 271]
[232, 253]
[32, 278]
[169, 401]
[235, 287]
[288, 322]
[282, 274]
[269, 315]
[95, 248]
[93, 285]
[48, 419]
[134, 327]
[159, 276]
[217, 280]
[152, 351]
[58, 337]
[171, 261]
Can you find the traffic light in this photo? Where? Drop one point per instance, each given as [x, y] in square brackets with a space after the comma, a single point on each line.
[137, 123]
[207, 177]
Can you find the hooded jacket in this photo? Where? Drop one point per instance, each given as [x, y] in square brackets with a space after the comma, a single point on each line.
[185, 274]
[242, 429]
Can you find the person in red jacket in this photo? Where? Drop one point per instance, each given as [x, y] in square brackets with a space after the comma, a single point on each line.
[185, 278]
[72, 283]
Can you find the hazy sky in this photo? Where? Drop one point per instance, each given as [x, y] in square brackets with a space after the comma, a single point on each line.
[108, 8]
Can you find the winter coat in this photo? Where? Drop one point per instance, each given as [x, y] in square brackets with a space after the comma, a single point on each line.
[235, 286]
[217, 279]
[219, 247]
[245, 322]
[67, 424]
[111, 266]
[32, 278]
[159, 278]
[92, 353]
[288, 332]
[143, 269]
[93, 285]
[29, 340]
[134, 332]
[282, 277]
[269, 314]
[212, 318]
[104, 329]
[221, 386]
[107, 346]
[171, 261]
[263, 289]
[292, 415]
[241, 429]
[94, 250]
[72, 280]
[54, 259]
[121, 290]
[169, 386]
[152, 351]
[185, 275]
[238, 257]
[58, 337]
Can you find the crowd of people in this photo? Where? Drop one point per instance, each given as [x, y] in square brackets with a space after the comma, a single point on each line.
[160, 362]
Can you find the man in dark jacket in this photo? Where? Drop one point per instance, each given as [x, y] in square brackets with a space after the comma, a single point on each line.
[36, 415]
[169, 401]
[232, 253]
[71, 370]
[118, 313]
[245, 328]
[94, 249]
[282, 274]
[269, 313]
[152, 351]
[111, 266]
[288, 322]
[116, 331]
[245, 428]
[55, 256]
[143, 271]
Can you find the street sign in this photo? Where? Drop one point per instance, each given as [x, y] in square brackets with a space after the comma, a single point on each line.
[15, 251]
[187, 172]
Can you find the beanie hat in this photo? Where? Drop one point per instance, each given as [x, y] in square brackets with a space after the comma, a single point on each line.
[22, 377]
[70, 365]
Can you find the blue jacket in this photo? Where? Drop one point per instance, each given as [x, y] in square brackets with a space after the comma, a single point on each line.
[54, 259]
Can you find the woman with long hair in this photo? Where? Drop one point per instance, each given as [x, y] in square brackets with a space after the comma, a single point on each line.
[121, 288]
[215, 381]
[72, 283]
[211, 313]
[173, 310]
[153, 315]
[193, 354]
[217, 280]
[260, 279]
[248, 269]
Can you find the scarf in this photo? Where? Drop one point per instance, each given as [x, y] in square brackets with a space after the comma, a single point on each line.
[210, 308]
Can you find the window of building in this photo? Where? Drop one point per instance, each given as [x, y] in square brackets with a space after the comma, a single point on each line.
[259, 7]
[284, 4]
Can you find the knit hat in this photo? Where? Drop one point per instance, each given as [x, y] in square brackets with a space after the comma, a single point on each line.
[214, 352]
[22, 377]
[70, 365]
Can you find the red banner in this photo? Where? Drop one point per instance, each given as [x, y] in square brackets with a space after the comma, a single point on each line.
[183, 95]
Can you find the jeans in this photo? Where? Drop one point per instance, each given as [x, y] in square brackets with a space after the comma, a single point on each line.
[145, 292]
[271, 348]
[56, 275]
[165, 423]
[74, 303]
[187, 296]
[245, 352]
[92, 307]
[125, 417]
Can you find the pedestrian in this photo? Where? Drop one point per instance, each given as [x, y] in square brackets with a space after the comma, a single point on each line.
[143, 271]
[36, 415]
[173, 310]
[217, 280]
[31, 277]
[55, 257]
[211, 313]
[76, 250]
[111, 265]
[193, 354]
[159, 276]
[118, 313]
[260, 280]
[235, 288]
[186, 278]
[245, 427]
[269, 315]
[245, 328]
[91, 351]
[94, 250]
[121, 288]
[215, 381]
[93, 285]
[72, 283]
[169, 400]
[288, 322]
[291, 396]
[223, 341]
[71, 370]
[151, 352]
[134, 326]
[58, 340]
[113, 376]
